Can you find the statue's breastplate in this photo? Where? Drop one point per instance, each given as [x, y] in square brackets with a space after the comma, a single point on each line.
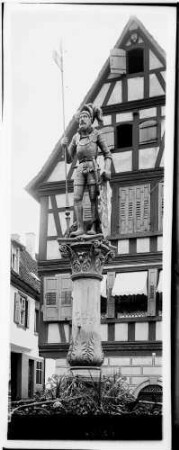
[87, 148]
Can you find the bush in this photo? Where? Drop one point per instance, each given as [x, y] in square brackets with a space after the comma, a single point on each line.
[77, 395]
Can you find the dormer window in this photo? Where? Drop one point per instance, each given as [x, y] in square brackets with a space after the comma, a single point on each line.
[135, 60]
[15, 258]
[124, 135]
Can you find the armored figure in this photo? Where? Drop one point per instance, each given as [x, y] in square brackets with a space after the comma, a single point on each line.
[85, 145]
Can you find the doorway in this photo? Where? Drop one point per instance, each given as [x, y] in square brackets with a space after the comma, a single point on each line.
[16, 365]
[31, 379]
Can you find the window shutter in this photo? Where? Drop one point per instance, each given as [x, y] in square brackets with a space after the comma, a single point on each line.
[127, 210]
[65, 312]
[123, 210]
[86, 207]
[147, 131]
[16, 307]
[134, 209]
[131, 209]
[152, 284]
[51, 299]
[27, 312]
[160, 205]
[110, 298]
[118, 61]
[108, 134]
[142, 222]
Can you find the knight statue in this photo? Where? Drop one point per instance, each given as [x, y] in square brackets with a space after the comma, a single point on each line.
[85, 145]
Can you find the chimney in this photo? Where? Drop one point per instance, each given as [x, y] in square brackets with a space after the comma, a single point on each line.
[15, 237]
[30, 244]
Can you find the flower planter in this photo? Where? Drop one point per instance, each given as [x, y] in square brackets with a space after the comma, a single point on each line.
[73, 427]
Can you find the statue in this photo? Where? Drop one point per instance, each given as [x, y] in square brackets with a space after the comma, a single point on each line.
[85, 145]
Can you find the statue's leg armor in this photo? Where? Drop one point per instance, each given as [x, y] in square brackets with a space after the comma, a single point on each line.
[78, 196]
[94, 207]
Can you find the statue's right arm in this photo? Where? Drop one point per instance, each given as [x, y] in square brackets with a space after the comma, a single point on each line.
[70, 149]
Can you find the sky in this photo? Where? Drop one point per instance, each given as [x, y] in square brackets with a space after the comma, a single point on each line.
[35, 98]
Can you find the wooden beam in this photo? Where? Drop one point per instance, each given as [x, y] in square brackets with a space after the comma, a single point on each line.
[160, 152]
[55, 214]
[134, 104]
[43, 228]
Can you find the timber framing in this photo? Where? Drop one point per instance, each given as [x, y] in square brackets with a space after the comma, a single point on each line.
[120, 263]
[33, 186]
[145, 149]
[52, 188]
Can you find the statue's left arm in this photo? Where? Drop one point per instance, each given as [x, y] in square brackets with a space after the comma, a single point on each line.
[107, 156]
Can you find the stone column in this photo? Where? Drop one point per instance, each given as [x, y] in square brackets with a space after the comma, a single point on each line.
[87, 256]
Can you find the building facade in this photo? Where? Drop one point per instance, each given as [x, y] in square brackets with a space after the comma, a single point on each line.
[26, 366]
[130, 89]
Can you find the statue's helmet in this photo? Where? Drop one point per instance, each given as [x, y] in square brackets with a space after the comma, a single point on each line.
[93, 111]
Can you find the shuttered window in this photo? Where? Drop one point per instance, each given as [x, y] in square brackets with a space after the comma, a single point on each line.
[135, 60]
[134, 209]
[58, 297]
[51, 291]
[66, 297]
[160, 205]
[21, 310]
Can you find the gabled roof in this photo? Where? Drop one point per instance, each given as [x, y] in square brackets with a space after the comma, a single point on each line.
[47, 168]
[28, 273]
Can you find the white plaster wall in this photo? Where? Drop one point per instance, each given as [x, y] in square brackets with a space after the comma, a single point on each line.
[135, 88]
[53, 250]
[143, 245]
[121, 331]
[141, 331]
[123, 246]
[19, 336]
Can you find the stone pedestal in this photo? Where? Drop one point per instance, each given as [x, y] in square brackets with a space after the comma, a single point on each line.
[87, 255]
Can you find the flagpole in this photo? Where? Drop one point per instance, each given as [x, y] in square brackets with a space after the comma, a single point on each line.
[59, 62]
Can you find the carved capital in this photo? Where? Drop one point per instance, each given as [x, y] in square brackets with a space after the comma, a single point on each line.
[87, 255]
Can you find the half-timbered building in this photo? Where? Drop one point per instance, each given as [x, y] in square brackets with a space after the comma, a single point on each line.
[130, 89]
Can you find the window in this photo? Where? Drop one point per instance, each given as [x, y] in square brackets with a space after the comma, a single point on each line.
[66, 298]
[151, 393]
[15, 259]
[39, 372]
[57, 298]
[21, 310]
[135, 60]
[134, 209]
[124, 135]
[147, 131]
[50, 296]
[130, 305]
[130, 292]
[36, 321]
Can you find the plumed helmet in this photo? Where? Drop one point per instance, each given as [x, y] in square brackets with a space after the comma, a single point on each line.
[93, 111]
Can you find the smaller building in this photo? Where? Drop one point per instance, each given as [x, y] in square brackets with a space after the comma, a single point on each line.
[26, 367]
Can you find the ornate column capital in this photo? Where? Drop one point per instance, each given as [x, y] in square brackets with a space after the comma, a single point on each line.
[87, 255]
